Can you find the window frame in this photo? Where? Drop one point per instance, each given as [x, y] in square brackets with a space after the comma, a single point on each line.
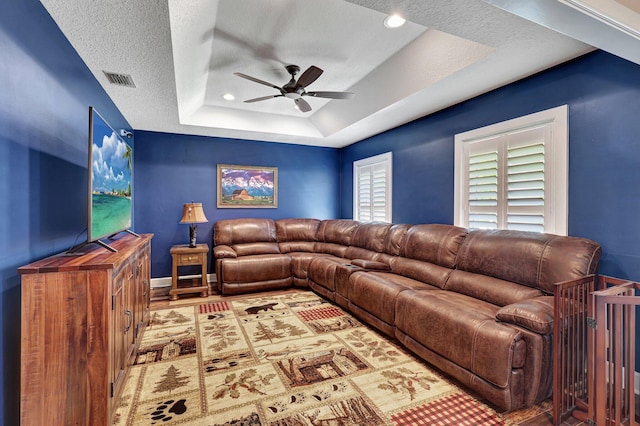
[556, 164]
[387, 159]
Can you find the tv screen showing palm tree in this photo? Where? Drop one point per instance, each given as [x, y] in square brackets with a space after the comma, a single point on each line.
[110, 174]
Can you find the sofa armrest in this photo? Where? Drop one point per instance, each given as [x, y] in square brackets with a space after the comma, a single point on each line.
[223, 251]
[533, 314]
[371, 265]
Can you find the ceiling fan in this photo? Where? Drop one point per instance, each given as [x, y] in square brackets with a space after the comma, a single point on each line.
[296, 89]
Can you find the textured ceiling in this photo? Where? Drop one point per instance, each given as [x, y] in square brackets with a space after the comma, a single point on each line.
[182, 55]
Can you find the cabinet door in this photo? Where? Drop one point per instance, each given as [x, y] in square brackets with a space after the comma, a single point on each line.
[117, 326]
[129, 312]
[143, 289]
[122, 328]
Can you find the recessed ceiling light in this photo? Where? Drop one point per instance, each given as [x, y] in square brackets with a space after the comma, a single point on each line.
[228, 97]
[394, 21]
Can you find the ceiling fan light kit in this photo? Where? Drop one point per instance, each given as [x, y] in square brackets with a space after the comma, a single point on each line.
[295, 90]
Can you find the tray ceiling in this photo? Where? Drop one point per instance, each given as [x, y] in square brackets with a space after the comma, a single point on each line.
[181, 56]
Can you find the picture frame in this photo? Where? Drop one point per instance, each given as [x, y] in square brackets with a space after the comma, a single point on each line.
[247, 186]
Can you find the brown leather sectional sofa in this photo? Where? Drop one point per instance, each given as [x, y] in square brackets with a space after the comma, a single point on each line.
[476, 304]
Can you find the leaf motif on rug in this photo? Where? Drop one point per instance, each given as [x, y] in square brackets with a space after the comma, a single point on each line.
[404, 381]
[249, 381]
[370, 346]
[222, 335]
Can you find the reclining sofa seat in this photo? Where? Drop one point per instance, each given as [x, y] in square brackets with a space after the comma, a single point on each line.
[491, 324]
[345, 240]
[476, 304]
[423, 260]
[248, 257]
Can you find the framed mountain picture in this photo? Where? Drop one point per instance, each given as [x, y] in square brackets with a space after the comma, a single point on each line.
[247, 186]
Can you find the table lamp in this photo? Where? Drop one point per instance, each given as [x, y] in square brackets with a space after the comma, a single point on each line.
[192, 213]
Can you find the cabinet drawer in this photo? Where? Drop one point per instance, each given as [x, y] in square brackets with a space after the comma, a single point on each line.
[190, 259]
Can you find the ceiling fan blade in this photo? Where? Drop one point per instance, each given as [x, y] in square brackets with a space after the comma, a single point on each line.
[309, 76]
[303, 105]
[331, 95]
[257, 80]
[263, 98]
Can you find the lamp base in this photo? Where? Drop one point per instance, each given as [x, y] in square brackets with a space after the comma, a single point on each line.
[192, 235]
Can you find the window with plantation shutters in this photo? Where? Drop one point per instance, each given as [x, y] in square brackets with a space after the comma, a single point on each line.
[372, 188]
[513, 175]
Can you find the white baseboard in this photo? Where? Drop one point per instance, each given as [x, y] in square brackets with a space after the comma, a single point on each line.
[166, 281]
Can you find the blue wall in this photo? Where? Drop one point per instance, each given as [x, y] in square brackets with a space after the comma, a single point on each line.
[45, 94]
[603, 94]
[171, 170]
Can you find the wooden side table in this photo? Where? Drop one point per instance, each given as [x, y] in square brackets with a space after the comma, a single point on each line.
[183, 255]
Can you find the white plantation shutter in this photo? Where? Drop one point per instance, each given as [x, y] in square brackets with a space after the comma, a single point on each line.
[483, 188]
[526, 180]
[513, 175]
[372, 189]
[365, 178]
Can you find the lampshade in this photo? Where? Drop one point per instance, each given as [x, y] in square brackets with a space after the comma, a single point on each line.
[193, 213]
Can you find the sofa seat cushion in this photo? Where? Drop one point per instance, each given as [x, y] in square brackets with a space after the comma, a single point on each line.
[322, 270]
[300, 262]
[463, 330]
[256, 268]
[376, 292]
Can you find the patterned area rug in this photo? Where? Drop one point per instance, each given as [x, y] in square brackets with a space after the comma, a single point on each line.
[286, 360]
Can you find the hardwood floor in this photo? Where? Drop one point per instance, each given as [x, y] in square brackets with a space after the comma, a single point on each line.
[541, 415]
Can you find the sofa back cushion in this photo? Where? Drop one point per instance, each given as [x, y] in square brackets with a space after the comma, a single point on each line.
[337, 231]
[433, 243]
[249, 249]
[361, 253]
[239, 231]
[428, 273]
[297, 234]
[492, 290]
[247, 236]
[370, 236]
[297, 229]
[394, 238]
[528, 258]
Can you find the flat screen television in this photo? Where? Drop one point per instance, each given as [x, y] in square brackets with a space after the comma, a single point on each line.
[110, 182]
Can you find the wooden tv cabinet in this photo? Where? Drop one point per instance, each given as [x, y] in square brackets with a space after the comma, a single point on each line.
[82, 319]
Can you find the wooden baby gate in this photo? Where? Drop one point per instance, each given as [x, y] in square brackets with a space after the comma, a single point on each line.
[594, 351]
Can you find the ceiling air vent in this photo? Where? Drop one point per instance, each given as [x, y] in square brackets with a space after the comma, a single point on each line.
[119, 79]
